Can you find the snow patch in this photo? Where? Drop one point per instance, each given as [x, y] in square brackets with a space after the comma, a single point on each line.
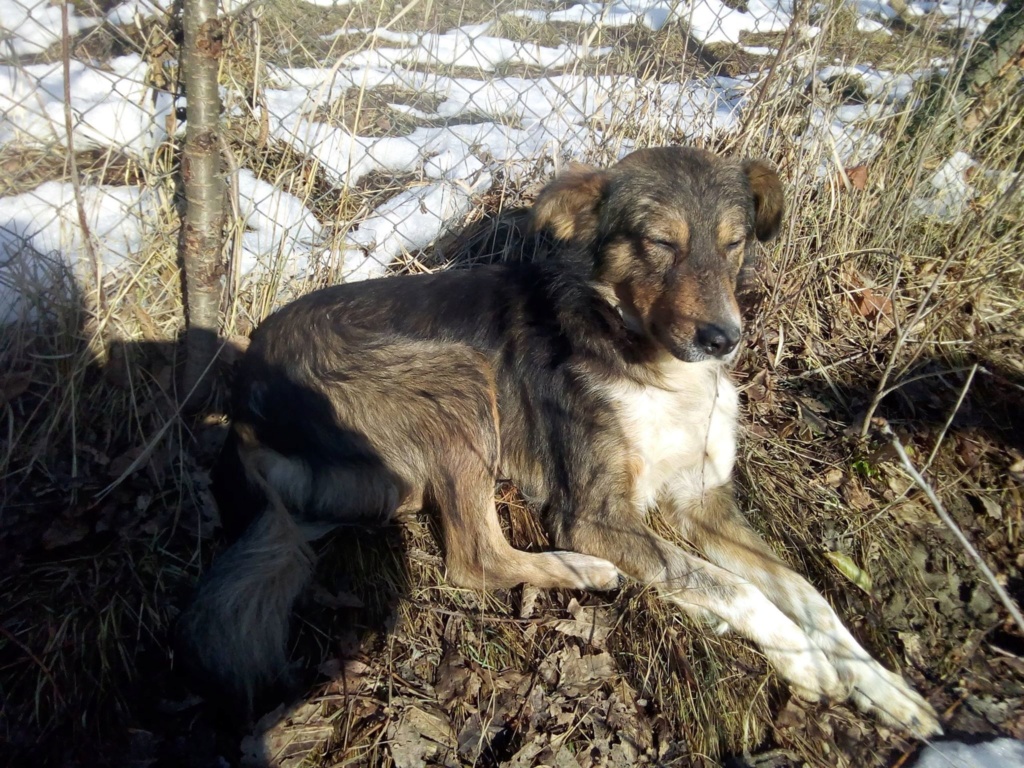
[870, 26]
[41, 235]
[948, 192]
[474, 126]
[532, 118]
[409, 221]
[111, 107]
[280, 232]
[133, 11]
[466, 47]
[1000, 753]
[33, 26]
[842, 135]
[709, 21]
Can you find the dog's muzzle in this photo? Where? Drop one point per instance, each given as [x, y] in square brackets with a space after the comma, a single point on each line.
[717, 340]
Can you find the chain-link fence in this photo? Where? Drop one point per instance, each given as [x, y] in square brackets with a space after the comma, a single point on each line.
[357, 134]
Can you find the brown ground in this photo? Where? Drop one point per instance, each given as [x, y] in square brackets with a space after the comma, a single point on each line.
[107, 519]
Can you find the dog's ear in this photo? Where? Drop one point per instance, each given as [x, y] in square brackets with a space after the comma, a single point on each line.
[567, 207]
[769, 204]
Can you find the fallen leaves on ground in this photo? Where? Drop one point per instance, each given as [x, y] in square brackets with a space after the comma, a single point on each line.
[284, 739]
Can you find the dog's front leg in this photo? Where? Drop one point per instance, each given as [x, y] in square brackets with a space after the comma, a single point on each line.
[714, 525]
[704, 591]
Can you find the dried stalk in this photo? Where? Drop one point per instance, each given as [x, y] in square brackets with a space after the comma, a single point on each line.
[76, 182]
[940, 510]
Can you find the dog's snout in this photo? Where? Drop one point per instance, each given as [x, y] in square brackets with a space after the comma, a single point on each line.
[717, 340]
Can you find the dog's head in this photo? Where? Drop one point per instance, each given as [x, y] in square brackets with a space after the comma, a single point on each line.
[668, 232]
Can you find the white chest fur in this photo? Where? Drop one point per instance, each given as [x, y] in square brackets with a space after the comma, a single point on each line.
[682, 434]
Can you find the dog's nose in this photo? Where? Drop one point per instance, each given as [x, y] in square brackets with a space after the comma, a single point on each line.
[718, 340]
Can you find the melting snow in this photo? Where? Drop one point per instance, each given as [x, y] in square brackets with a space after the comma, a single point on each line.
[33, 26]
[472, 126]
[999, 753]
[276, 224]
[40, 236]
[406, 222]
[466, 47]
[710, 21]
[110, 107]
[948, 191]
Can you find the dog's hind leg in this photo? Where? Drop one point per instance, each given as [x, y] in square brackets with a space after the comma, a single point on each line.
[478, 555]
[714, 524]
[234, 634]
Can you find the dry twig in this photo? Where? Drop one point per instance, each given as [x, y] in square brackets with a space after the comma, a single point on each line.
[940, 510]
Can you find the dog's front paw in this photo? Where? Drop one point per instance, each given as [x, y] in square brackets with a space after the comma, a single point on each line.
[810, 674]
[890, 698]
[590, 572]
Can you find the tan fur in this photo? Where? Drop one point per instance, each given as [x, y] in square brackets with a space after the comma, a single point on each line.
[568, 207]
[767, 189]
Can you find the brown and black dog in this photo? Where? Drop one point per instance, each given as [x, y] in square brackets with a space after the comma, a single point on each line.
[596, 381]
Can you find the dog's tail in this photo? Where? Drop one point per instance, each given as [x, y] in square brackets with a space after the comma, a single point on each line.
[234, 635]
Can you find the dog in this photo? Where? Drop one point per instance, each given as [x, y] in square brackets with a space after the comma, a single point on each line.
[596, 381]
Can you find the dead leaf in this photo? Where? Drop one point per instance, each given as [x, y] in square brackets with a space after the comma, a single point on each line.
[834, 478]
[846, 566]
[63, 531]
[589, 624]
[899, 484]
[867, 302]
[474, 738]
[287, 742]
[809, 416]
[563, 758]
[580, 674]
[991, 506]
[150, 330]
[760, 431]
[855, 495]
[420, 735]
[813, 404]
[526, 756]
[969, 451]
[528, 602]
[757, 389]
[858, 176]
[914, 512]
[347, 675]
[913, 648]
[871, 305]
[455, 680]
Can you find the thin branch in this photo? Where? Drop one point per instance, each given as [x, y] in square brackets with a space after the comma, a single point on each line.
[940, 510]
[949, 421]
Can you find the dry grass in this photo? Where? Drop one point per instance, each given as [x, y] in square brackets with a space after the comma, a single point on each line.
[864, 308]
